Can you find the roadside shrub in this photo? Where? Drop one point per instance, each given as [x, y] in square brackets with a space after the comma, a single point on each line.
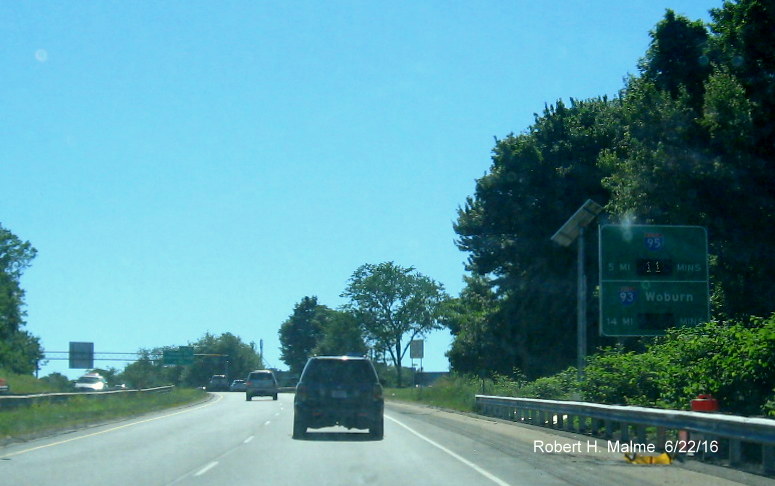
[732, 360]
[562, 386]
[619, 377]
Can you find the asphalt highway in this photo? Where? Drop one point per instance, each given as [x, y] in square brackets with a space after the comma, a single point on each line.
[229, 441]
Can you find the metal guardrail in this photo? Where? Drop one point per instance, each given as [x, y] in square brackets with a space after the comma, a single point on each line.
[16, 401]
[625, 423]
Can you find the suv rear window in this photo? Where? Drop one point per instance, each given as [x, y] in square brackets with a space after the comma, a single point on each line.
[339, 371]
[260, 377]
[88, 379]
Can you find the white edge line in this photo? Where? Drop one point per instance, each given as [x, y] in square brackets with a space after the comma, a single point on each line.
[206, 468]
[465, 461]
[132, 424]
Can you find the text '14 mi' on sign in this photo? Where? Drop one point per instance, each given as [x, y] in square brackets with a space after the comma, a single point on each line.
[652, 278]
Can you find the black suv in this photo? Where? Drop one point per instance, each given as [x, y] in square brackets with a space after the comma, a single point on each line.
[218, 383]
[338, 390]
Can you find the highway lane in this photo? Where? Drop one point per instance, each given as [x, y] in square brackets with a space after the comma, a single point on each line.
[230, 441]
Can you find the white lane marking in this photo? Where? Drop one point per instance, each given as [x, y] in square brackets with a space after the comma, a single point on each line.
[206, 468]
[465, 461]
[267, 422]
[247, 441]
[18, 453]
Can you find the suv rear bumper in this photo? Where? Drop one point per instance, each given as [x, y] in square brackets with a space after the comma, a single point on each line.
[317, 416]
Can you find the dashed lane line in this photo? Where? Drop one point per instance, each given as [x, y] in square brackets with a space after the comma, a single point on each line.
[206, 468]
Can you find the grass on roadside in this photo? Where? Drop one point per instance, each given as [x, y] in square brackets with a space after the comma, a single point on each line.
[84, 410]
[453, 392]
[27, 384]
[457, 391]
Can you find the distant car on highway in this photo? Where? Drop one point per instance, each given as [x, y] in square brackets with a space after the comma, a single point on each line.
[237, 386]
[91, 382]
[261, 383]
[338, 390]
[218, 383]
[4, 387]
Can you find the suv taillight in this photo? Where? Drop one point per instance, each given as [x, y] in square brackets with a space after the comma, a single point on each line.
[377, 392]
[301, 392]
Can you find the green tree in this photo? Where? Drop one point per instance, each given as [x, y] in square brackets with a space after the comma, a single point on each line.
[110, 374]
[744, 36]
[393, 303]
[537, 180]
[340, 334]
[57, 382]
[300, 333]
[229, 356]
[677, 57]
[467, 318]
[19, 350]
[711, 162]
[145, 372]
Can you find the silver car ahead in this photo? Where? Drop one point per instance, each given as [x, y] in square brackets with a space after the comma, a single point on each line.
[261, 383]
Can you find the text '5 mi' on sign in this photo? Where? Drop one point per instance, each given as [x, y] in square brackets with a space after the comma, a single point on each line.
[651, 278]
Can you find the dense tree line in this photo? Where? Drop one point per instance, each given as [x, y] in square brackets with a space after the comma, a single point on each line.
[315, 329]
[226, 355]
[19, 350]
[388, 306]
[689, 140]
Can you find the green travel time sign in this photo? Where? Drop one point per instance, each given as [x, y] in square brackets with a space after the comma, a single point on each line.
[652, 278]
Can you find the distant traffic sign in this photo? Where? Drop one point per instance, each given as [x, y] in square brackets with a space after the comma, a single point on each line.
[184, 355]
[416, 349]
[652, 278]
[81, 355]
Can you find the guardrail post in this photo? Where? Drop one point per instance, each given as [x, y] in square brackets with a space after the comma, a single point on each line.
[609, 429]
[768, 459]
[594, 427]
[735, 452]
[661, 438]
[640, 432]
[624, 428]
[560, 421]
[583, 424]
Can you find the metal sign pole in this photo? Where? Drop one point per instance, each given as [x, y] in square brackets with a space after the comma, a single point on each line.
[581, 308]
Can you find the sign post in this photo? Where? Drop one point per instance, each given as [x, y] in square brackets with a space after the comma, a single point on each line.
[416, 351]
[652, 278]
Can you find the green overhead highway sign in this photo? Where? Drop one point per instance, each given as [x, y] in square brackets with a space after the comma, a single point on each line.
[184, 355]
[652, 278]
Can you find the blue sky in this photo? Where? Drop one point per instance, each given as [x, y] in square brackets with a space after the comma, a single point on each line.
[185, 167]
